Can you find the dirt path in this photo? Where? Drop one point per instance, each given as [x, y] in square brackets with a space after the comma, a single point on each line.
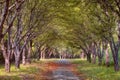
[62, 70]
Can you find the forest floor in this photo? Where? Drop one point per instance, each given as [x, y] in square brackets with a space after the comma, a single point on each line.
[55, 69]
[44, 70]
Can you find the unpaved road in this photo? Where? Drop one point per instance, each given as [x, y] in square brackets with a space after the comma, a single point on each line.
[64, 71]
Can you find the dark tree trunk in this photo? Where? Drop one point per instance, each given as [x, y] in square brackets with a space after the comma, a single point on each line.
[88, 57]
[39, 53]
[114, 55]
[99, 61]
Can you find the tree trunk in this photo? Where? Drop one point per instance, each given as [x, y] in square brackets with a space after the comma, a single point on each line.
[29, 52]
[94, 54]
[93, 59]
[88, 57]
[17, 57]
[107, 60]
[6, 55]
[17, 61]
[114, 55]
[7, 64]
[18, 35]
[39, 53]
[100, 53]
[43, 53]
[82, 55]
[99, 61]
[23, 57]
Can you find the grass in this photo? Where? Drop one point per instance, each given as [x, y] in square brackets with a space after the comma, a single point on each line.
[95, 72]
[26, 71]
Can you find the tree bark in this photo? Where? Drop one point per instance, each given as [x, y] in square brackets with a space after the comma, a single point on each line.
[29, 52]
[17, 57]
[94, 54]
[107, 61]
[88, 57]
[6, 56]
[93, 58]
[115, 55]
[7, 64]
[24, 57]
[17, 49]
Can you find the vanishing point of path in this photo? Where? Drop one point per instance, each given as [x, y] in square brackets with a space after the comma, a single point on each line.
[62, 70]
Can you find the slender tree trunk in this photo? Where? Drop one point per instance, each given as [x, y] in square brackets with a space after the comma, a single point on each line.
[93, 58]
[43, 53]
[100, 53]
[94, 54]
[99, 61]
[17, 59]
[29, 52]
[115, 55]
[107, 61]
[39, 53]
[24, 57]
[88, 57]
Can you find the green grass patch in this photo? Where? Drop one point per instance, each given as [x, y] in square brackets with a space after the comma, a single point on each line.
[95, 72]
[24, 71]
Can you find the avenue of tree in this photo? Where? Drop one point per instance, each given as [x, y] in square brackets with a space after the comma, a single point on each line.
[59, 29]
